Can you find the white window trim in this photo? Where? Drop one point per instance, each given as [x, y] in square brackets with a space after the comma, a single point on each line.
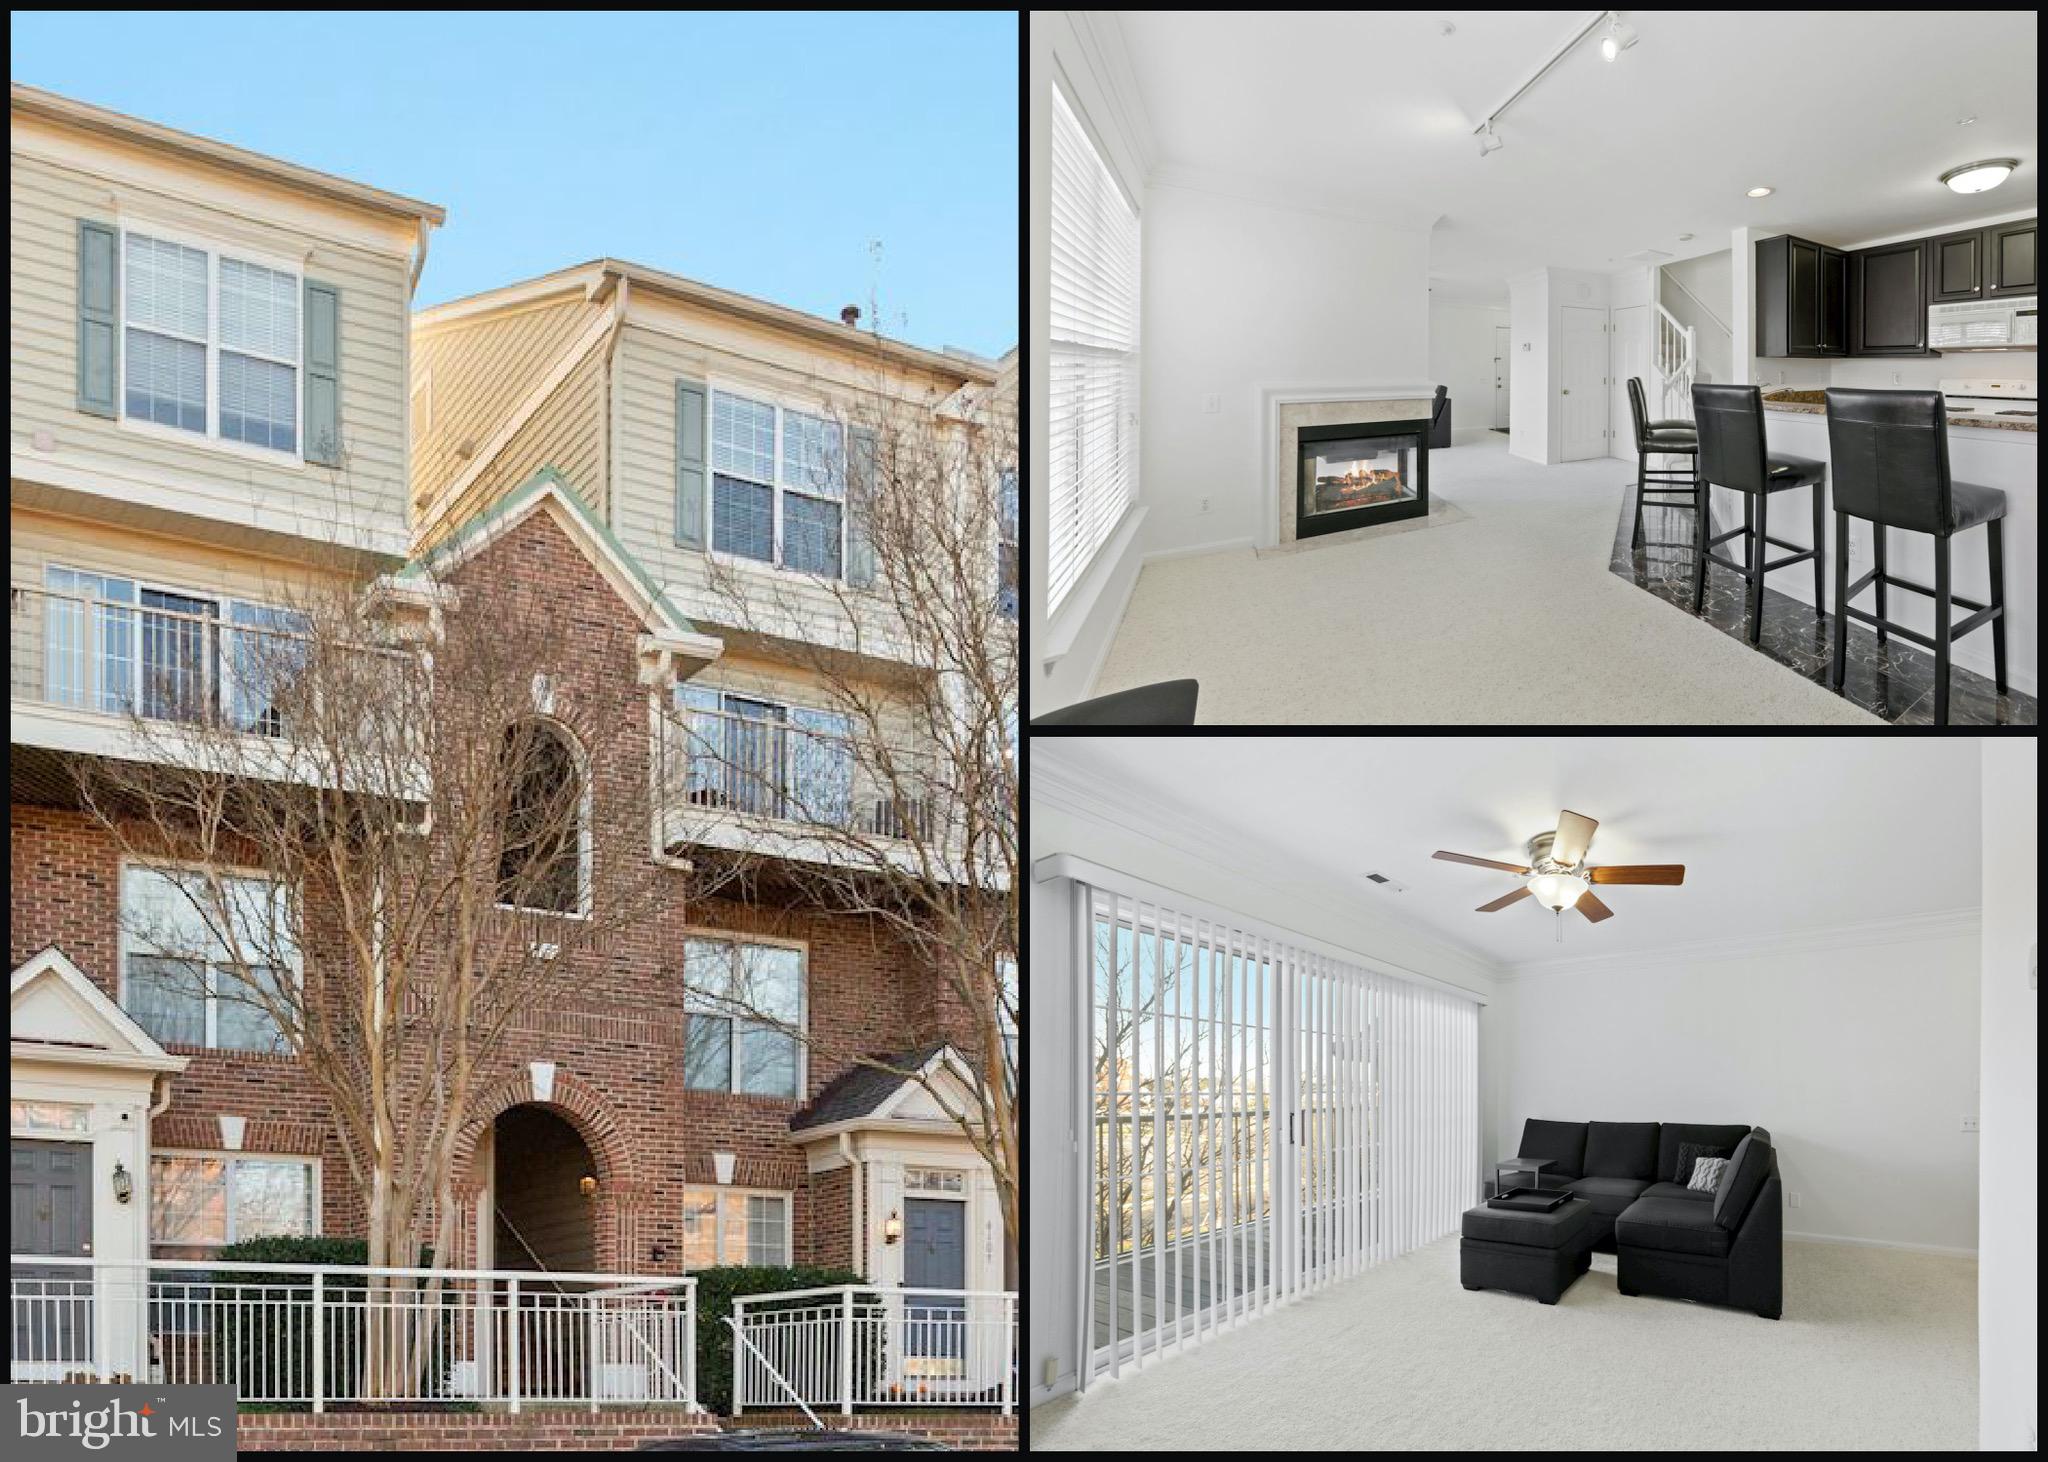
[125, 944]
[718, 1221]
[803, 1011]
[222, 666]
[583, 832]
[213, 248]
[713, 389]
[314, 1194]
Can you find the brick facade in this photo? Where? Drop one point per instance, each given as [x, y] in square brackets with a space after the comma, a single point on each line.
[616, 1044]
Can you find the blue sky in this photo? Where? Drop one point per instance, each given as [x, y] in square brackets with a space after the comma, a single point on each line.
[760, 152]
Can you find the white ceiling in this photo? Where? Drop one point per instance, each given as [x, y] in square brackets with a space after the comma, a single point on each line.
[1777, 835]
[1850, 114]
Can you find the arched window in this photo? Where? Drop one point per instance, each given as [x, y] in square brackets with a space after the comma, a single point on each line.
[542, 854]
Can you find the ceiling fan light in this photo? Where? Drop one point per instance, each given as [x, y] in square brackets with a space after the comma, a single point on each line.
[1558, 891]
[1980, 177]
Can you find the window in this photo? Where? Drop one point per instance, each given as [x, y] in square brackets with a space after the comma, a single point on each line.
[1006, 548]
[47, 1117]
[542, 855]
[112, 644]
[744, 1004]
[778, 485]
[210, 343]
[731, 1226]
[177, 978]
[934, 1180]
[200, 1201]
[758, 756]
[1094, 356]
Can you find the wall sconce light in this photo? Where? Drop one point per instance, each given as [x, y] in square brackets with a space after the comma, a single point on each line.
[124, 1185]
[892, 1228]
[659, 1253]
[588, 1184]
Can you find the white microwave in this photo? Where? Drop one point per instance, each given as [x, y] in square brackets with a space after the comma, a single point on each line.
[1982, 325]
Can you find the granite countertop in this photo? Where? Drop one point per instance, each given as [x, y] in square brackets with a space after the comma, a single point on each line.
[1814, 404]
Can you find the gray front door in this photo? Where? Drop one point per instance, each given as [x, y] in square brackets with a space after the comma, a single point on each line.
[935, 1256]
[51, 1213]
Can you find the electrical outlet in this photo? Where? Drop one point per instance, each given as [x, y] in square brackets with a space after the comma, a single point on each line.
[1052, 1370]
[1791, 1200]
[1969, 1124]
[1897, 377]
[1211, 405]
[1205, 506]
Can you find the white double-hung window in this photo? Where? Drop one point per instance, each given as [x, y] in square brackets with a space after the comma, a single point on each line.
[1094, 356]
[210, 343]
[778, 485]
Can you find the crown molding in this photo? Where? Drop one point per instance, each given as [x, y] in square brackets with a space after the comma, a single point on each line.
[1064, 781]
[1908, 929]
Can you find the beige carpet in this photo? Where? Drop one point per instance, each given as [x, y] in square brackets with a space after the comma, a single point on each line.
[1509, 618]
[1877, 1351]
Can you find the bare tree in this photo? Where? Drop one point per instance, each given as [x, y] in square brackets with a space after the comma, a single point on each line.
[380, 839]
[893, 794]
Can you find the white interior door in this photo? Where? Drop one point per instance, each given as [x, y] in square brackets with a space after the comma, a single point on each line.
[1583, 391]
[1500, 376]
[1631, 358]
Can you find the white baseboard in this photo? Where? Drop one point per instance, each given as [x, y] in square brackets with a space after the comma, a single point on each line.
[1194, 549]
[1882, 1244]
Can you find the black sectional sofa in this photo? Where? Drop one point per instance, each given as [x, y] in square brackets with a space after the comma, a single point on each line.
[1725, 1247]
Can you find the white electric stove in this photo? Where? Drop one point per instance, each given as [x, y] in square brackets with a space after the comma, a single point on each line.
[1991, 398]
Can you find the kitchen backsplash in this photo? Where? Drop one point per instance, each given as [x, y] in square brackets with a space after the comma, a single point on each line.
[1916, 373]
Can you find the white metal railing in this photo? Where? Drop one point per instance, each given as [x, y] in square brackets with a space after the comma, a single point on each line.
[1675, 360]
[319, 1335]
[864, 1345]
[796, 767]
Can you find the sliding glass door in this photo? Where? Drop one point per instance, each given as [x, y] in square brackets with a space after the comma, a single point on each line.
[1263, 1119]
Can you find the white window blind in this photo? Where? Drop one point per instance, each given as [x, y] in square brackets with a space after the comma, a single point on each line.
[1094, 356]
[1263, 1118]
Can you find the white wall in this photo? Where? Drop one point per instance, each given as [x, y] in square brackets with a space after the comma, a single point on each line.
[1529, 375]
[1461, 356]
[1240, 295]
[1711, 278]
[2008, 1301]
[1861, 1061]
[1083, 820]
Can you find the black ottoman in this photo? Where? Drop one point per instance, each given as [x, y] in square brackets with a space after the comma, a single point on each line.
[1536, 1254]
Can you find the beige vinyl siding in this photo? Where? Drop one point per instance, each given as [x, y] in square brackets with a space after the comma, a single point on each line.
[36, 540]
[562, 434]
[480, 372]
[47, 199]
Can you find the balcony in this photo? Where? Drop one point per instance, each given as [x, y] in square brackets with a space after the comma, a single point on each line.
[792, 784]
[314, 1336]
[853, 1346]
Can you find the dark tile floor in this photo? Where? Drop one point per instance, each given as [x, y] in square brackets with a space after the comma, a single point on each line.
[1893, 680]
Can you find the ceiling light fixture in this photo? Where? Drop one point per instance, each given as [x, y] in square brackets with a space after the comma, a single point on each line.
[1619, 37]
[1489, 142]
[1980, 177]
[1760, 192]
[1559, 891]
[1685, 238]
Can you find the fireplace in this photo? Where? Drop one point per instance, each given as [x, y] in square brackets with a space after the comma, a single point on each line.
[1356, 475]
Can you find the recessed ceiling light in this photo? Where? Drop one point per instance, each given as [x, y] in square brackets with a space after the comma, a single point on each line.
[1980, 177]
[1759, 192]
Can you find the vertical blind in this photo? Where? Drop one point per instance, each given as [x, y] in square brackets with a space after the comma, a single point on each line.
[1094, 355]
[1263, 1118]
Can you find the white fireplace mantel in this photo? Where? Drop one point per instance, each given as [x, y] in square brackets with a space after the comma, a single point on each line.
[1271, 399]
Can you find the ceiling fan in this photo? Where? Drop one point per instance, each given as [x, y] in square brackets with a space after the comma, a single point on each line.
[1559, 877]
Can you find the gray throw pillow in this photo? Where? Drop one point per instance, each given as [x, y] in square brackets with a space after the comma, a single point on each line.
[1706, 1173]
[1689, 1152]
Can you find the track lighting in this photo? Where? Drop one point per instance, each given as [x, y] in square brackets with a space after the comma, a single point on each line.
[1619, 37]
[1489, 142]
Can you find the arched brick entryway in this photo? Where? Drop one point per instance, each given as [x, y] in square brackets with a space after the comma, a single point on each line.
[622, 1192]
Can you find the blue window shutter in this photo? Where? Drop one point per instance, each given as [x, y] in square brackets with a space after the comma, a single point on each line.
[323, 374]
[689, 464]
[99, 294]
[860, 488]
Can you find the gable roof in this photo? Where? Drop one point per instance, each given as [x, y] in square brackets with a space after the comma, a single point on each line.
[866, 1091]
[114, 1037]
[34, 101]
[547, 490]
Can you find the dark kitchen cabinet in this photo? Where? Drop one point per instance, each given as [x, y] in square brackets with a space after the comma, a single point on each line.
[1957, 268]
[2009, 259]
[1801, 290]
[1888, 299]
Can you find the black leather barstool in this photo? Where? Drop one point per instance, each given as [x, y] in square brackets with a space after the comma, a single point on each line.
[1890, 451]
[1732, 454]
[1675, 437]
